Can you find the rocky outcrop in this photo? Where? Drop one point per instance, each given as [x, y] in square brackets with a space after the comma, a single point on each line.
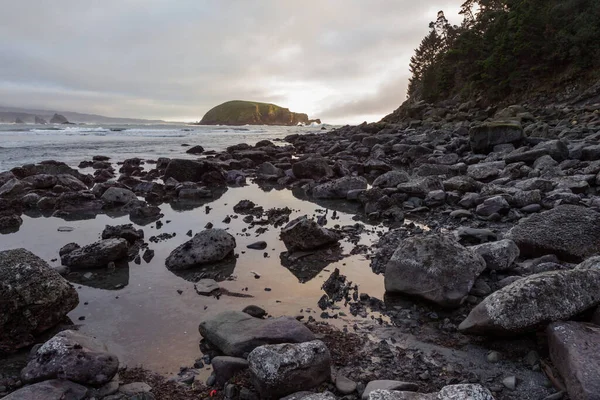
[33, 298]
[305, 234]
[236, 333]
[59, 119]
[282, 369]
[206, 247]
[238, 112]
[435, 268]
[96, 255]
[191, 171]
[569, 231]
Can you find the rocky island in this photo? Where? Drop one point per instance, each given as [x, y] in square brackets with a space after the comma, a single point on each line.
[239, 112]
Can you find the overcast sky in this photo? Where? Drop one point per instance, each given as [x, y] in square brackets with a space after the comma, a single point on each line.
[344, 61]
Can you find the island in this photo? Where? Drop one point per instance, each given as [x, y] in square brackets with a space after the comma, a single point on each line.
[239, 112]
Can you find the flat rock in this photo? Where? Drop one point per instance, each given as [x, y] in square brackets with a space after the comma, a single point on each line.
[236, 333]
[434, 267]
[534, 301]
[74, 356]
[345, 385]
[55, 389]
[33, 298]
[282, 369]
[571, 232]
[305, 234]
[205, 287]
[206, 247]
[575, 352]
[96, 255]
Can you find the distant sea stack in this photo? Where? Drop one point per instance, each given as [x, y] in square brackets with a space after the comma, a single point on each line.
[59, 119]
[40, 120]
[238, 112]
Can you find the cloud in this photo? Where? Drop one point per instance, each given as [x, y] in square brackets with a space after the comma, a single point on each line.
[176, 60]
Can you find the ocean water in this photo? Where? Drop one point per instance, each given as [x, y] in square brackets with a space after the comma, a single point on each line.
[23, 144]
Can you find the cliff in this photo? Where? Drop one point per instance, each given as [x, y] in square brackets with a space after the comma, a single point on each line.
[238, 112]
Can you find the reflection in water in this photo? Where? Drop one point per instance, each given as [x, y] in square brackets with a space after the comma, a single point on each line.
[306, 265]
[189, 204]
[218, 271]
[344, 206]
[103, 278]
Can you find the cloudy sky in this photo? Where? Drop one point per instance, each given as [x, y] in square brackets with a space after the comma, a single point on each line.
[344, 61]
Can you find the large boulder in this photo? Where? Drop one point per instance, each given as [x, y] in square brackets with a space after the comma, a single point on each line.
[55, 389]
[236, 333]
[281, 369]
[96, 255]
[535, 301]
[127, 232]
[74, 356]
[498, 256]
[33, 298]
[575, 352]
[312, 168]
[339, 188]
[435, 267]
[571, 232]
[189, 170]
[118, 196]
[305, 234]
[206, 247]
[484, 137]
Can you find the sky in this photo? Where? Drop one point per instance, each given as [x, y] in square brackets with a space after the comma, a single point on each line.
[344, 61]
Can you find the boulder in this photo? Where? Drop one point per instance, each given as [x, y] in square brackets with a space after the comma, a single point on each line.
[391, 179]
[33, 298]
[189, 170]
[225, 367]
[55, 389]
[575, 352]
[267, 171]
[41, 181]
[451, 392]
[118, 196]
[485, 171]
[312, 168]
[387, 384]
[10, 223]
[535, 301]
[206, 247]
[493, 205]
[498, 256]
[571, 232]
[74, 356]
[127, 232]
[282, 369]
[195, 150]
[339, 188]
[420, 186]
[434, 267]
[484, 137]
[236, 333]
[96, 255]
[305, 234]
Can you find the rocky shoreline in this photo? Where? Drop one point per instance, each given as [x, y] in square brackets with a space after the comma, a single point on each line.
[489, 260]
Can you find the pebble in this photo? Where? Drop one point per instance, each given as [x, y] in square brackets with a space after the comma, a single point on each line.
[345, 385]
[510, 382]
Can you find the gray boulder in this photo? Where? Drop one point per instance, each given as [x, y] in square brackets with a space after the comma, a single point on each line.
[41, 181]
[267, 171]
[96, 255]
[236, 333]
[33, 298]
[282, 369]
[498, 256]
[74, 356]
[435, 267]
[225, 367]
[312, 168]
[484, 137]
[420, 186]
[127, 232]
[339, 188]
[535, 301]
[451, 392]
[571, 232]
[575, 352]
[493, 205]
[189, 170]
[391, 179]
[386, 384]
[55, 389]
[118, 196]
[485, 171]
[305, 234]
[206, 247]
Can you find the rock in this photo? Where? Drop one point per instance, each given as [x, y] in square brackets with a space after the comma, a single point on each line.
[195, 150]
[118, 196]
[225, 367]
[317, 396]
[41, 181]
[464, 391]
[205, 287]
[388, 385]
[575, 353]
[9, 223]
[421, 186]
[571, 232]
[305, 234]
[312, 168]
[68, 248]
[498, 256]
[11, 188]
[96, 255]
[397, 395]
[260, 245]
[461, 183]
[267, 171]
[510, 382]
[189, 170]
[485, 171]
[534, 301]
[339, 188]
[493, 205]
[345, 385]
[127, 232]
[206, 247]
[74, 356]
[391, 179]
[236, 333]
[255, 311]
[435, 267]
[33, 298]
[467, 234]
[134, 388]
[484, 137]
[59, 119]
[55, 389]
[194, 194]
[281, 369]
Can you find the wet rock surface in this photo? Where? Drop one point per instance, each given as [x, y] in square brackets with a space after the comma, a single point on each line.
[208, 246]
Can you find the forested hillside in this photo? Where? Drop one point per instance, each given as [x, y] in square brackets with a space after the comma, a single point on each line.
[508, 49]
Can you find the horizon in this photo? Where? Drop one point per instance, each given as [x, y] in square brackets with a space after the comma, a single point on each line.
[162, 62]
